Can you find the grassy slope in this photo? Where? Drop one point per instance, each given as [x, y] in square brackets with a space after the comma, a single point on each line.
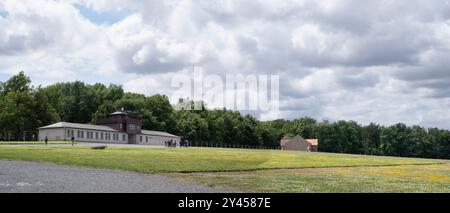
[429, 178]
[192, 159]
[402, 178]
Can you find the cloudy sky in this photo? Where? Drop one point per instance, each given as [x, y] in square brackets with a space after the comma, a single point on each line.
[382, 61]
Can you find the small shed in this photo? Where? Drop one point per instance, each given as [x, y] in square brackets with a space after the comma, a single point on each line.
[298, 143]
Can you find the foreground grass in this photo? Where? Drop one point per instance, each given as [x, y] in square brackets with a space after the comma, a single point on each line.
[426, 178]
[154, 160]
[316, 172]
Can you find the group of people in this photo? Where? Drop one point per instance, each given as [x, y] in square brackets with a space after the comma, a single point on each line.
[173, 143]
[170, 143]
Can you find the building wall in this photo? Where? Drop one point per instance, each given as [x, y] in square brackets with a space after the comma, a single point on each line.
[154, 140]
[51, 134]
[122, 122]
[95, 136]
[83, 135]
[297, 145]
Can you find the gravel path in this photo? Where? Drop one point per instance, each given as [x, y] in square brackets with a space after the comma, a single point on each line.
[16, 176]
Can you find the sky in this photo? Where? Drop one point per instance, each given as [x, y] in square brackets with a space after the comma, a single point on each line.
[369, 61]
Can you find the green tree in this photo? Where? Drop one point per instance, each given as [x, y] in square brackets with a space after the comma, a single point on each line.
[371, 136]
[22, 108]
[17, 83]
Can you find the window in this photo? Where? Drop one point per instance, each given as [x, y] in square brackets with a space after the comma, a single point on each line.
[81, 134]
[132, 126]
[124, 137]
[70, 133]
[140, 138]
[146, 139]
[101, 135]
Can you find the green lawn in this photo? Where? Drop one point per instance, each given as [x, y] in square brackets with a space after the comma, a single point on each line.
[192, 159]
[398, 179]
[319, 172]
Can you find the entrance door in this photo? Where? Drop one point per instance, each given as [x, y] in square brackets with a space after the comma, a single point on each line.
[131, 139]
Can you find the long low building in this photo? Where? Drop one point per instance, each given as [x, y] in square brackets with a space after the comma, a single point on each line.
[119, 127]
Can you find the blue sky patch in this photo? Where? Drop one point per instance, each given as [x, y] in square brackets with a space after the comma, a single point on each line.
[3, 13]
[3, 77]
[107, 17]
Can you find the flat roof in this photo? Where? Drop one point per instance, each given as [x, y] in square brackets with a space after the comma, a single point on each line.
[119, 113]
[103, 128]
[157, 133]
[79, 126]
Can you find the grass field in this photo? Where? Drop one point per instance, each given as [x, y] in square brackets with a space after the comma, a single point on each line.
[426, 178]
[268, 170]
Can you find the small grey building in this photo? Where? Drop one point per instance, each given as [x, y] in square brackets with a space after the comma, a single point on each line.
[298, 143]
[119, 127]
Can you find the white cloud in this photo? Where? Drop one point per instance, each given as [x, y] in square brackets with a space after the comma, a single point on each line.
[51, 41]
[383, 61]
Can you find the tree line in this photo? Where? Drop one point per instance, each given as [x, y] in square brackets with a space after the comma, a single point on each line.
[24, 108]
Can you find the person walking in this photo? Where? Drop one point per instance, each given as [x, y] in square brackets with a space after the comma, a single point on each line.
[73, 140]
[46, 140]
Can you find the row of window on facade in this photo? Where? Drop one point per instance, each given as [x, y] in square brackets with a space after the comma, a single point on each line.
[131, 126]
[98, 135]
[146, 138]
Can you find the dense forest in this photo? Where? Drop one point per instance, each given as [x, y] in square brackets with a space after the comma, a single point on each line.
[24, 108]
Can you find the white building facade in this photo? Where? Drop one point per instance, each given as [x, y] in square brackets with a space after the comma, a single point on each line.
[64, 131]
[119, 128]
[82, 132]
